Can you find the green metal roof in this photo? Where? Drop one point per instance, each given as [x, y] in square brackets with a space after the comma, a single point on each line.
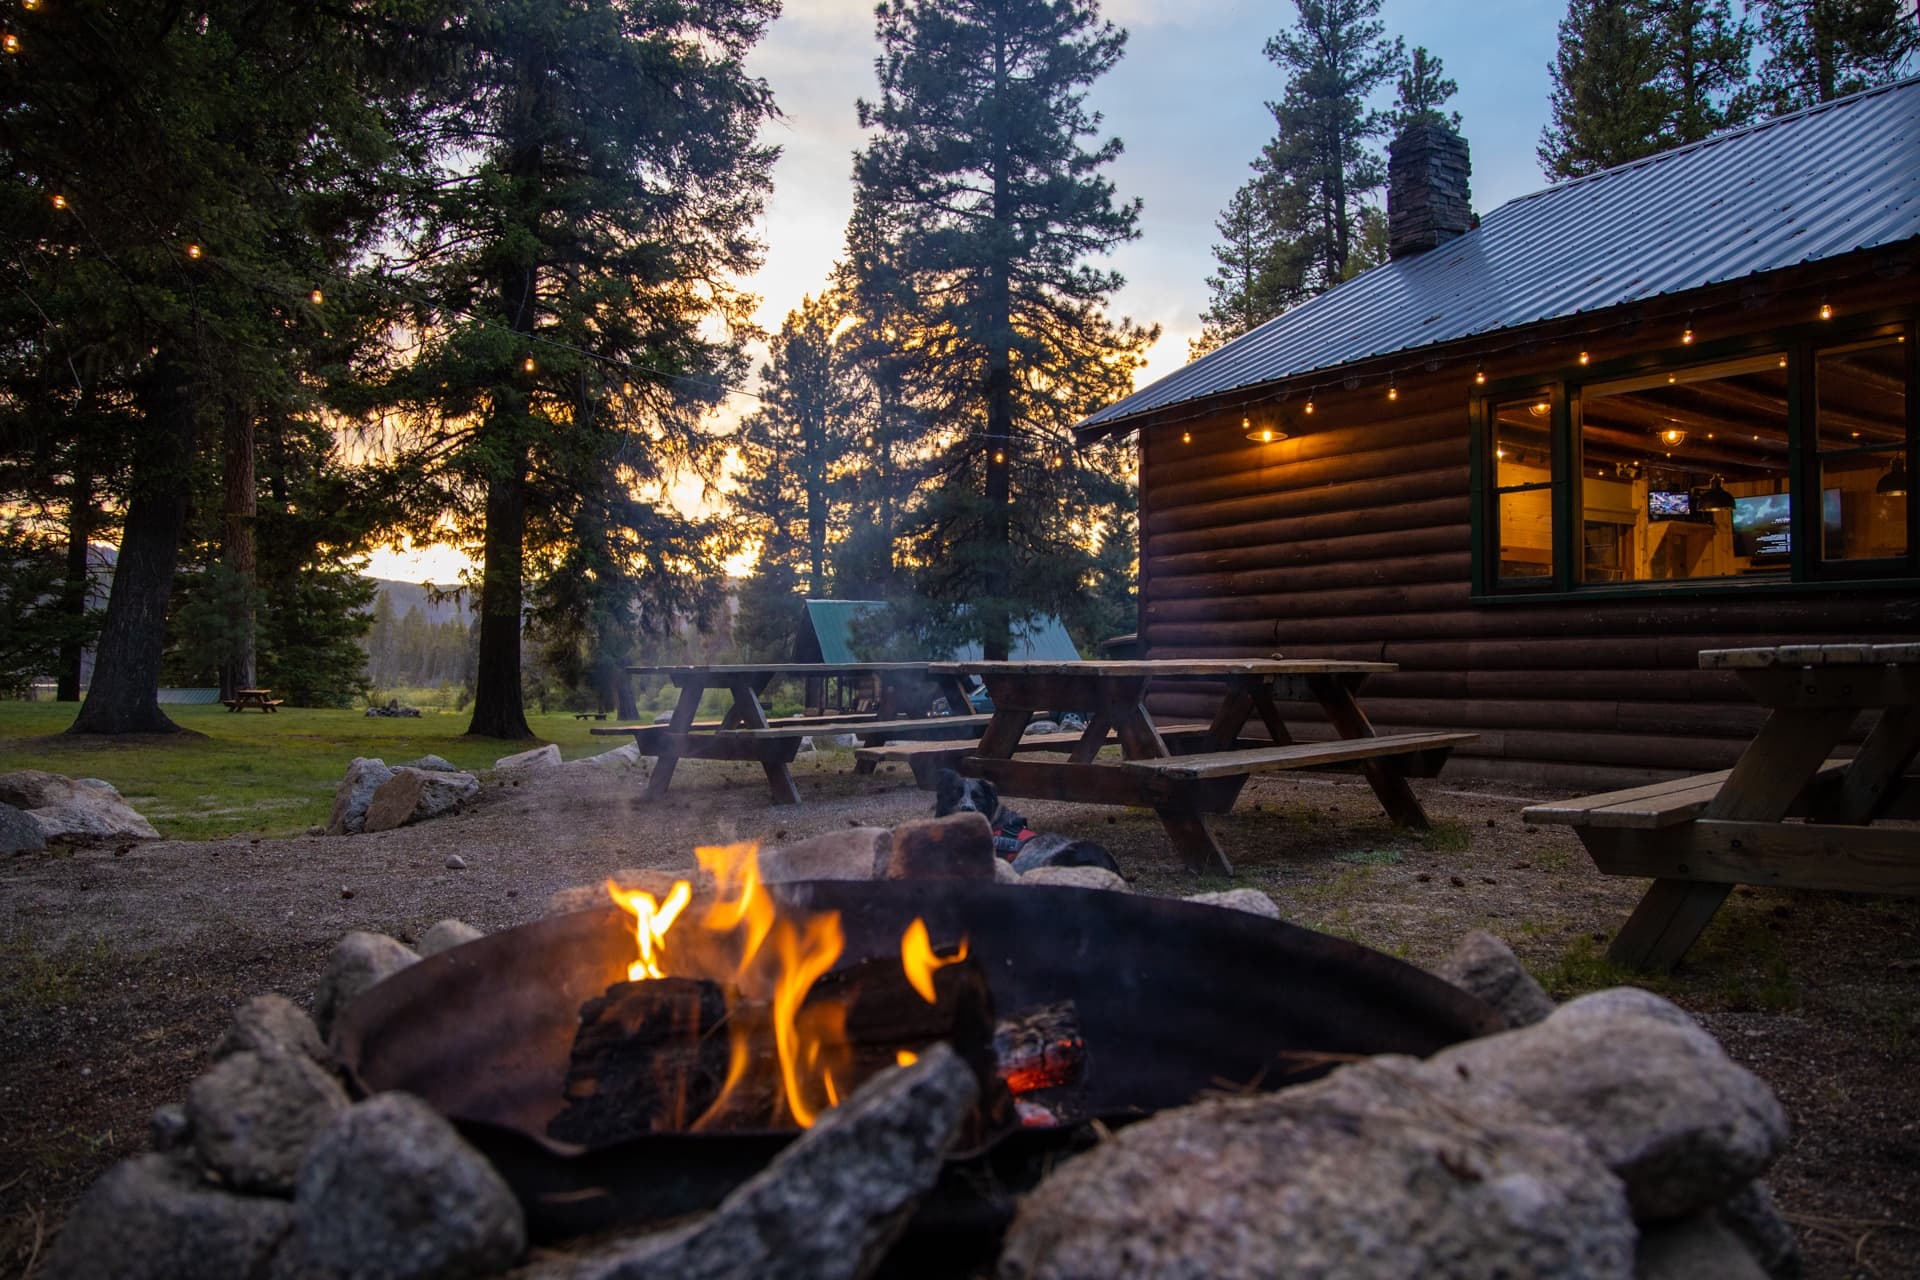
[1039, 639]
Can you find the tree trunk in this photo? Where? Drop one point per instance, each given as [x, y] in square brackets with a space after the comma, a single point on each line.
[241, 507]
[995, 628]
[498, 711]
[124, 695]
[814, 436]
[75, 590]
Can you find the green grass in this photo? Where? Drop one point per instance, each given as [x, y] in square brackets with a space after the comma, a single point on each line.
[264, 775]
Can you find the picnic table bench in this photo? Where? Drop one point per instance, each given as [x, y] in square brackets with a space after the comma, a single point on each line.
[1183, 788]
[261, 698]
[745, 732]
[1699, 836]
[927, 759]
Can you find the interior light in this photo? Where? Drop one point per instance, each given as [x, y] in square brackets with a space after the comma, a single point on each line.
[1713, 498]
[1672, 436]
[1540, 410]
[1894, 483]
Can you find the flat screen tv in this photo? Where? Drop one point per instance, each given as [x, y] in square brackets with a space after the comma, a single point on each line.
[1763, 525]
[1668, 506]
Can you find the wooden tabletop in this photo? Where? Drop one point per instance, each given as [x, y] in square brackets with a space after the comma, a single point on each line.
[1810, 655]
[1197, 667]
[724, 670]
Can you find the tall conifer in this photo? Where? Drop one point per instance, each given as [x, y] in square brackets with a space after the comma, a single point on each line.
[1819, 50]
[1609, 105]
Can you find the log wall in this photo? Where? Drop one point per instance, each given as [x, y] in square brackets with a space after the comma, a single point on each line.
[1352, 539]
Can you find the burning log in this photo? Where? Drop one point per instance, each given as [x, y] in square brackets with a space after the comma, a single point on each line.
[1040, 1049]
[656, 1055]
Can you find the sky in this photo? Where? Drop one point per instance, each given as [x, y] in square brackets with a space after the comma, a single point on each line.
[1189, 102]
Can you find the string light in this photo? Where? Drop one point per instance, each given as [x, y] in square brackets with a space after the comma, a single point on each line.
[1186, 437]
[1480, 375]
[1309, 402]
[1686, 335]
[59, 202]
[193, 251]
[1585, 358]
[10, 42]
[29, 5]
[527, 365]
[1826, 309]
[1393, 392]
[999, 456]
[318, 297]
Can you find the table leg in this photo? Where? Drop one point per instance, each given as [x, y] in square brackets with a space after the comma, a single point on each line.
[1192, 839]
[1094, 738]
[1769, 776]
[1002, 736]
[1872, 778]
[1335, 694]
[674, 740]
[775, 756]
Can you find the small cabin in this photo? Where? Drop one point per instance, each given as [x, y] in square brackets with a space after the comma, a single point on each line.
[1541, 459]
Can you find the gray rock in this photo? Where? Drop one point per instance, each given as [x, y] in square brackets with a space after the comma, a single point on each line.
[254, 1114]
[455, 862]
[1485, 966]
[1628, 1002]
[956, 847]
[414, 795]
[63, 807]
[1683, 1125]
[444, 935]
[1251, 901]
[354, 793]
[620, 758]
[1367, 1173]
[1077, 878]
[273, 1024]
[1696, 1248]
[358, 961]
[547, 757]
[830, 1205]
[431, 763]
[168, 1128]
[1036, 727]
[19, 833]
[390, 1191]
[855, 853]
[1003, 872]
[154, 1218]
[1751, 1214]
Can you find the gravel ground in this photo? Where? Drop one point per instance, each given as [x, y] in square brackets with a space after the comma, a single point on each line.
[119, 965]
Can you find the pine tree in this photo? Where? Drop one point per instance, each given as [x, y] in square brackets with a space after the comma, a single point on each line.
[1819, 50]
[600, 174]
[1706, 52]
[1609, 103]
[980, 160]
[1260, 274]
[1423, 91]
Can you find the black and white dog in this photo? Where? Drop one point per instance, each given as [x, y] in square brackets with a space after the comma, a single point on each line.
[1012, 838]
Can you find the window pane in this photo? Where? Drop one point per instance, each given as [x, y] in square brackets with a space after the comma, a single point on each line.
[1860, 396]
[1524, 528]
[1684, 473]
[1522, 443]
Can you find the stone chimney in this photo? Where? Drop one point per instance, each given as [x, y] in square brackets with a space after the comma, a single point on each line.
[1427, 198]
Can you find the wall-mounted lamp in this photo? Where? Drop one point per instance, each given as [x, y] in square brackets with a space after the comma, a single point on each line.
[1264, 433]
[1894, 483]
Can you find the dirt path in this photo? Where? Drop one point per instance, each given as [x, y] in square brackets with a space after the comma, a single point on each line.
[118, 969]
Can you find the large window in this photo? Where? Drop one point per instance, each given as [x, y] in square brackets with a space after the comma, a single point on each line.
[1785, 465]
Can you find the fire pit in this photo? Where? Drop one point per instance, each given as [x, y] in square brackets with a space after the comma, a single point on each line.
[1168, 1000]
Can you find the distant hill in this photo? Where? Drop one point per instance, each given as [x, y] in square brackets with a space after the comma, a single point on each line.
[413, 595]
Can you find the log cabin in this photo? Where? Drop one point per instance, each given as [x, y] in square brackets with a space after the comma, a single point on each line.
[1540, 460]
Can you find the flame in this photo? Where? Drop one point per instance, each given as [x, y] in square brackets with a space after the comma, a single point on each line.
[906, 1057]
[652, 919]
[919, 961]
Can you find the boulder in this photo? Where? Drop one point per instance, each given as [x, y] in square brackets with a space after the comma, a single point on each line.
[829, 1206]
[1077, 878]
[19, 833]
[620, 758]
[154, 1218]
[956, 847]
[853, 853]
[1251, 901]
[547, 757]
[168, 1128]
[273, 1024]
[1696, 1248]
[1367, 1173]
[389, 1190]
[1003, 872]
[413, 795]
[64, 807]
[1751, 1214]
[354, 793]
[1484, 966]
[1681, 1124]
[1037, 727]
[431, 763]
[358, 961]
[254, 1114]
[445, 935]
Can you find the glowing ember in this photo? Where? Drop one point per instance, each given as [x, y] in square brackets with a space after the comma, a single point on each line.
[651, 921]
[919, 961]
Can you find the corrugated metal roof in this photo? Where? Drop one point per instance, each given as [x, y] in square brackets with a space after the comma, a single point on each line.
[1039, 639]
[1825, 181]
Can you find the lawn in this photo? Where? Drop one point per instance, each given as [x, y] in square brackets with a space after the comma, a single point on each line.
[263, 775]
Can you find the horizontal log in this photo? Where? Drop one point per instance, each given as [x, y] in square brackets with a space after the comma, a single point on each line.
[1345, 604]
[1414, 566]
[1228, 483]
[1352, 494]
[1168, 473]
[1261, 544]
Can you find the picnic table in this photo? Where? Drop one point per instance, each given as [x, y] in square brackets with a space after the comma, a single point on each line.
[1701, 835]
[1213, 766]
[745, 732]
[261, 698]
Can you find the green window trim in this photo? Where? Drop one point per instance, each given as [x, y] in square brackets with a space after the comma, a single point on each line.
[1806, 571]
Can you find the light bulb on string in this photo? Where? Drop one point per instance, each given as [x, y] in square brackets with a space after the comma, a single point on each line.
[1686, 335]
[59, 201]
[10, 42]
[317, 297]
[1186, 437]
[193, 251]
[527, 365]
[1393, 392]
[999, 456]
[1585, 358]
[1826, 309]
[1309, 402]
[1480, 375]
[29, 5]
